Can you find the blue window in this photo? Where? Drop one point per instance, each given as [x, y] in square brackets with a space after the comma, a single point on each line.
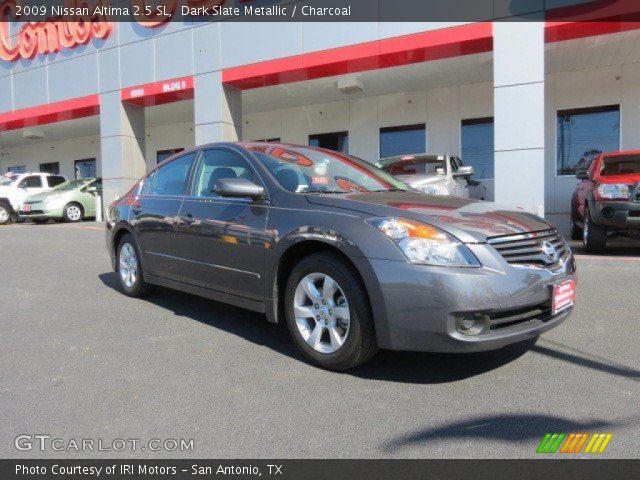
[584, 130]
[478, 146]
[17, 169]
[404, 140]
[85, 168]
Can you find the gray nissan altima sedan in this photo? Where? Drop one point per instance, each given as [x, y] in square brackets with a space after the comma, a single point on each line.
[351, 258]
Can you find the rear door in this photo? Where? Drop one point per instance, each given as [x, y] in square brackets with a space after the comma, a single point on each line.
[221, 241]
[154, 215]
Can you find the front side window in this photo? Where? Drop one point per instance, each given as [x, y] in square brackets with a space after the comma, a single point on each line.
[32, 181]
[217, 165]
[404, 140]
[306, 170]
[478, 146]
[85, 168]
[171, 178]
[583, 130]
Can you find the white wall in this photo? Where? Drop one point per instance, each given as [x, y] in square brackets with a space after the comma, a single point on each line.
[63, 151]
[163, 137]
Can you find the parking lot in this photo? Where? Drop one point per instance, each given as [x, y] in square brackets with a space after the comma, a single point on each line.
[81, 360]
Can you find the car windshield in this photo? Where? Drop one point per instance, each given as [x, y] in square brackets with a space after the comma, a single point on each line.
[416, 166]
[309, 170]
[7, 180]
[621, 165]
[72, 184]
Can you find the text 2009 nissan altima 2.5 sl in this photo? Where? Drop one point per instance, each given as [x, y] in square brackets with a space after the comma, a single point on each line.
[349, 257]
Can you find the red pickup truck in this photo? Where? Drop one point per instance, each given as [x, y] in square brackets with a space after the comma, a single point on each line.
[607, 200]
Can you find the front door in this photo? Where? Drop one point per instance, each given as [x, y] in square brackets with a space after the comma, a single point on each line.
[155, 214]
[221, 240]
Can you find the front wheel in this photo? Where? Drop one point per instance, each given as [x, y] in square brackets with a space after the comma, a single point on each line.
[328, 313]
[594, 237]
[130, 269]
[5, 213]
[72, 213]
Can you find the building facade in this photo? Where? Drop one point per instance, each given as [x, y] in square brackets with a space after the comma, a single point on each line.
[522, 102]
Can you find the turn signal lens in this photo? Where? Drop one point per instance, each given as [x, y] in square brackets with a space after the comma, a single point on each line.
[425, 244]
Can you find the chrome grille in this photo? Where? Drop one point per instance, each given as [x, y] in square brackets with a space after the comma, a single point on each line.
[544, 249]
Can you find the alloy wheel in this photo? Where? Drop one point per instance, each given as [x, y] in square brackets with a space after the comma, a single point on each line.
[74, 213]
[322, 314]
[128, 265]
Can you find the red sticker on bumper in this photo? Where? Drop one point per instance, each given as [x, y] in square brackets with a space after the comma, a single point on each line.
[564, 296]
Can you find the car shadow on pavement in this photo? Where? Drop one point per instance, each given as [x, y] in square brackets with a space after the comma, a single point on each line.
[504, 427]
[404, 367]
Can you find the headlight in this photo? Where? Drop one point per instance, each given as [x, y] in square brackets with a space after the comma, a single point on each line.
[433, 189]
[614, 191]
[424, 244]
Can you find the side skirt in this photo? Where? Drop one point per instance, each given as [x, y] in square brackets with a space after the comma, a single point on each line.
[241, 302]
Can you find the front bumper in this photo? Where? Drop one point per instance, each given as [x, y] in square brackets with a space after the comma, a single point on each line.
[618, 215]
[422, 305]
[41, 210]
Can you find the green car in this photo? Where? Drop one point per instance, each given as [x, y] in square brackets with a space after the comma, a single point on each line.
[71, 201]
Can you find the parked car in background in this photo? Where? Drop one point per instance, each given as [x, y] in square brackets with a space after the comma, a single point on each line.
[607, 200]
[435, 175]
[71, 201]
[16, 187]
[350, 258]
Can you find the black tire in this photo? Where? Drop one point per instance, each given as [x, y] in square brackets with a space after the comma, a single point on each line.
[5, 213]
[139, 288]
[69, 213]
[576, 230]
[594, 236]
[360, 343]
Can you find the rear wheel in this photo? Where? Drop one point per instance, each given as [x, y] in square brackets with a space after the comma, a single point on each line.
[328, 313]
[594, 237]
[130, 269]
[72, 213]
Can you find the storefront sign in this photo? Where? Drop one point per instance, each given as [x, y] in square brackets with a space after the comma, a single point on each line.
[56, 34]
[158, 93]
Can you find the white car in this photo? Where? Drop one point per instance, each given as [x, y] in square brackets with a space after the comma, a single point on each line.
[435, 175]
[16, 187]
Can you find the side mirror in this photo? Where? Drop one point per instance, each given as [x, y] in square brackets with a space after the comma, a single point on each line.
[466, 171]
[239, 188]
[582, 174]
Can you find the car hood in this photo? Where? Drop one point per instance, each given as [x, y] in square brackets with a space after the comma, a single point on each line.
[625, 178]
[469, 220]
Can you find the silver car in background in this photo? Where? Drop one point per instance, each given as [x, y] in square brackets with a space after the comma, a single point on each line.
[435, 175]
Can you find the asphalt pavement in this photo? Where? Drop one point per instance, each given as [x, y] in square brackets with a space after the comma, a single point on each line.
[79, 360]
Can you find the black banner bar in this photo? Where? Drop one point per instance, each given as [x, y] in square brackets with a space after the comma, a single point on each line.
[319, 469]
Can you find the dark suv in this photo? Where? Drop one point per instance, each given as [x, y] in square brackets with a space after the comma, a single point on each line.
[607, 200]
[349, 257]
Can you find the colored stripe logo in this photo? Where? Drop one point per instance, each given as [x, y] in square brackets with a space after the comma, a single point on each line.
[574, 443]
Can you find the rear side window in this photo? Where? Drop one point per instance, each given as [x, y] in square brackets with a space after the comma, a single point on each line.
[171, 178]
[54, 181]
[32, 181]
